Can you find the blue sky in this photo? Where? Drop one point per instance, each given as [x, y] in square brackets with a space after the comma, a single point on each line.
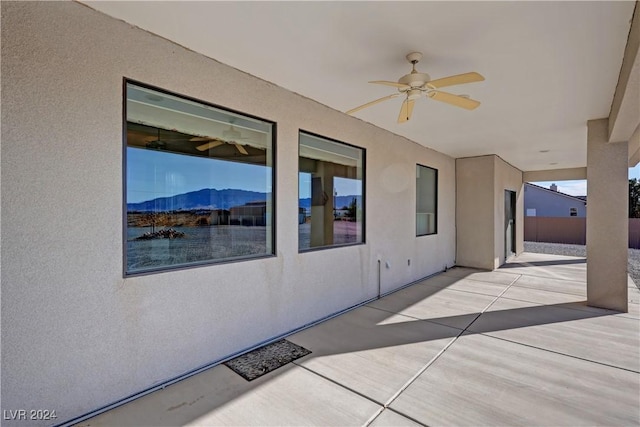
[579, 188]
[152, 174]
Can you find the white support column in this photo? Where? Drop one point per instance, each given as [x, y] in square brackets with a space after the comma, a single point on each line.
[607, 222]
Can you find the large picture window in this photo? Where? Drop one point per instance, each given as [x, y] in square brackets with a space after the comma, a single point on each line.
[426, 200]
[198, 184]
[331, 193]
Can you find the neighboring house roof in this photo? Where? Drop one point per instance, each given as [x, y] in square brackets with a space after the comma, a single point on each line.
[582, 199]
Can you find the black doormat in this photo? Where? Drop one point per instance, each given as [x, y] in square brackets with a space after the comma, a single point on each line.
[265, 359]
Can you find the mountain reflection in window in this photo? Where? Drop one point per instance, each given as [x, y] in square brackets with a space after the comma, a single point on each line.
[331, 193]
[198, 183]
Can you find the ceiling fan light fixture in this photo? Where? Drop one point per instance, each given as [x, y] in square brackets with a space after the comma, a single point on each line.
[414, 94]
[154, 97]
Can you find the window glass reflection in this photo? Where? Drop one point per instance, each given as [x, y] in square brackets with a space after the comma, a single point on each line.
[331, 193]
[198, 183]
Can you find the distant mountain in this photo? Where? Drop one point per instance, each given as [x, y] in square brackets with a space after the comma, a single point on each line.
[207, 198]
[210, 198]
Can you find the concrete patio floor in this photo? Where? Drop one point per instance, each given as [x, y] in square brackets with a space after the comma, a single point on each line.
[514, 346]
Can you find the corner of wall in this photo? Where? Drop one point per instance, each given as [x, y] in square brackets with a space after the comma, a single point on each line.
[474, 211]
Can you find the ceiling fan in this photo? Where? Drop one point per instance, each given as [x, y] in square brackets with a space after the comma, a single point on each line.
[231, 136]
[414, 84]
[154, 142]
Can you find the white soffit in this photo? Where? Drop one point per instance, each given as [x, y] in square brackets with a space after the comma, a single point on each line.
[549, 66]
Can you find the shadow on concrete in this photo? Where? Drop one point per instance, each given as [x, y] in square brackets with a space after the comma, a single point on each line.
[364, 328]
[542, 263]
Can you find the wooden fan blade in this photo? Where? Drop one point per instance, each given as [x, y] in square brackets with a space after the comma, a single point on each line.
[201, 138]
[369, 104]
[455, 80]
[452, 99]
[209, 145]
[241, 149]
[406, 110]
[388, 83]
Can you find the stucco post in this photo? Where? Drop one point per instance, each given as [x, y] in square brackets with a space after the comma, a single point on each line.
[607, 222]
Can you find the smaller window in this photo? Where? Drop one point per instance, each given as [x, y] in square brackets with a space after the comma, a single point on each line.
[426, 200]
[331, 193]
[573, 212]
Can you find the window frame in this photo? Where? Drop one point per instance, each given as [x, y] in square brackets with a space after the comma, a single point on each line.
[415, 217]
[364, 192]
[196, 264]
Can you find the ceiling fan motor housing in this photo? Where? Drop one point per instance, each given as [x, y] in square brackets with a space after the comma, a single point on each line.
[414, 80]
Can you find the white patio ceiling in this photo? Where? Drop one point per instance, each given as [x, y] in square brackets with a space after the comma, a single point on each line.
[549, 66]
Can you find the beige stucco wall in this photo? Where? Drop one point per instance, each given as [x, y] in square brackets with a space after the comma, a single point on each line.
[607, 224]
[480, 233]
[76, 335]
[509, 178]
[474, 211]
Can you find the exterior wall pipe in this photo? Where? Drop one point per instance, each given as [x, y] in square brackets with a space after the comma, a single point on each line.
[217, 362]
[379, 280]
